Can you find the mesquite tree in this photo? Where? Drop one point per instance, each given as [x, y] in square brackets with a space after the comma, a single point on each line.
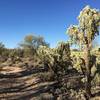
[83, 34]
[31, 43]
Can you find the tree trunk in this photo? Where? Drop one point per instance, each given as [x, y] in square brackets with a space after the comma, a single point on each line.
[88, 73]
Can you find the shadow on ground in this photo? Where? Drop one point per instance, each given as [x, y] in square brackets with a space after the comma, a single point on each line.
[22, 85]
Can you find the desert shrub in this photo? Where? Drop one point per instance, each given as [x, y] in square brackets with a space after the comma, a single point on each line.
[3, 53]
[46, 56]
[46, 96]
[2, 47]
[96, 80]
[31, 43]
[56, 60]
[94, 63]
[46, 76]
[78, 61]
[16, 53]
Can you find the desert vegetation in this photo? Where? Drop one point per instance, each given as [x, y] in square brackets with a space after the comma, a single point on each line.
[34, 71]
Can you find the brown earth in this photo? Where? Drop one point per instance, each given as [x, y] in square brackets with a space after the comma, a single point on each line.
[19, 83]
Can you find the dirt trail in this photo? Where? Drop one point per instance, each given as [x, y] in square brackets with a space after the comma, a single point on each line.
[10, 69]
[18, 83]
[22, 87]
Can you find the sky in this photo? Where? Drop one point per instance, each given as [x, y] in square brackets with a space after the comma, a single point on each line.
[48, 18]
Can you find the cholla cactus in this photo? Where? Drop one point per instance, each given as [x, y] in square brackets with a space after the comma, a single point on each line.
[83, 34]
[63, 60]
[46, 55]
[88, 27]
[58, 59]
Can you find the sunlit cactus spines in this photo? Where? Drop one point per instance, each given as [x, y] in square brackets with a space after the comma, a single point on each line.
[83, 34]
[88, 27]
[57, 59]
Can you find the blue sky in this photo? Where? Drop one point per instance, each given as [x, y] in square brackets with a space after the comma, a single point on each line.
[49, 18]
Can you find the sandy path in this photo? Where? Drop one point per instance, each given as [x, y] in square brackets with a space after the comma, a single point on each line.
[10, 69]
